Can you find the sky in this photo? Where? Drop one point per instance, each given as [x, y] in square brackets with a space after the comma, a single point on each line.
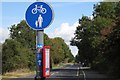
[66, 15]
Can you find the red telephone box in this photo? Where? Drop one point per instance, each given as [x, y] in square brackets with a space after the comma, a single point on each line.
[46, 61]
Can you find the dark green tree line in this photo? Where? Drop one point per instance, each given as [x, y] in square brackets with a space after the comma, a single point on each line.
[98, 39]
[19, 50]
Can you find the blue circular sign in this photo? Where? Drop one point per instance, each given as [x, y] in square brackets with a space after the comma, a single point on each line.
[39, 15]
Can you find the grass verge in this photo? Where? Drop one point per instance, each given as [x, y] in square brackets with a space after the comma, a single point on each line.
[18, 73]
[61, 65]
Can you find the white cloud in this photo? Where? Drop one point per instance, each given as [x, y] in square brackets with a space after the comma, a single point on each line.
[4, 34]
[66, 31]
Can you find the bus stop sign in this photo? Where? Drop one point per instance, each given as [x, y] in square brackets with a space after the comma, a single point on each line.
[39, 15]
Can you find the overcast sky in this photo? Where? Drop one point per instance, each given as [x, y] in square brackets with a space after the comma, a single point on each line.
[66, 15]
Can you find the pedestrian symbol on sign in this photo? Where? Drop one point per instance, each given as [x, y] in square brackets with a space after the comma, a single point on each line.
[39, 22]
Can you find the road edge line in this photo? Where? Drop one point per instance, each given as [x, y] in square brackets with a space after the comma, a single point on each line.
[78, 72]
[84, 75]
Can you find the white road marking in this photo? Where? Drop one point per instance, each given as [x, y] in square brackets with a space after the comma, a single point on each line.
[54, 73]
[84, 75]
[78, 72]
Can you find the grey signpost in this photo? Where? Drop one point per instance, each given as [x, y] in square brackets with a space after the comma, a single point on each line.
[39, 40]
[39, 15]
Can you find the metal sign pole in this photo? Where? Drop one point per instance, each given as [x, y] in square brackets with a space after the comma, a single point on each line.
[39, 40]
[39, 16]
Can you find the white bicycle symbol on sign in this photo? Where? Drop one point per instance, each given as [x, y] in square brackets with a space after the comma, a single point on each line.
[39, 9]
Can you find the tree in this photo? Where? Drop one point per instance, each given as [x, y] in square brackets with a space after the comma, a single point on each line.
[14, 56]
[82, 39]
[60, 50]
[101, 38]
[23, 34]
[19, 50]
[104, 9]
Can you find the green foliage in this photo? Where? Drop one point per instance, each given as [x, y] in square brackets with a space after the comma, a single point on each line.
[106, 10]
[59, 47]
[14, 56]
[98, 40]
[23, 34]
[19, 50]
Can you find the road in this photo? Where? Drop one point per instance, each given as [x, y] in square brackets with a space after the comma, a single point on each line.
[76, 72]
[71, 72]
